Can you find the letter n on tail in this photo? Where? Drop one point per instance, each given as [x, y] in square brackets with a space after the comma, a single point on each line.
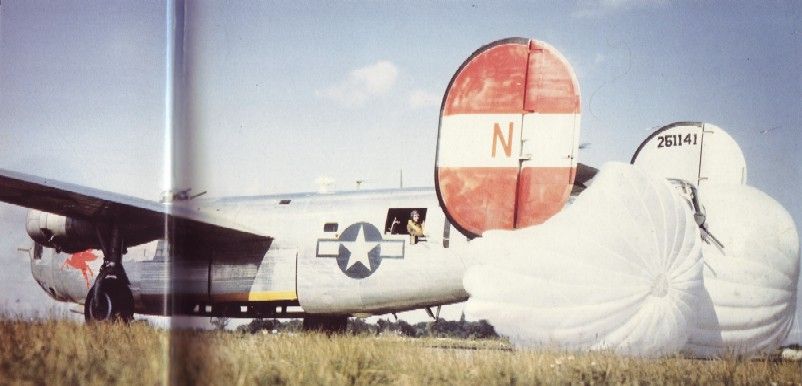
[498, 136]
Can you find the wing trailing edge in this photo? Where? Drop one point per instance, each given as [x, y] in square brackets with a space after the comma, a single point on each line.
[138, 219]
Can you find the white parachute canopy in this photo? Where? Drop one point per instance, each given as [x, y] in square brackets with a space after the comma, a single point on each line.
[620, 269]
[750, 284]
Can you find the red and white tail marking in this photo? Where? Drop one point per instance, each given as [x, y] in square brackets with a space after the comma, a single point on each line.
[508, 137]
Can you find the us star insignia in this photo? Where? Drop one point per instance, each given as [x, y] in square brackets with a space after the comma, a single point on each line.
[360, 249]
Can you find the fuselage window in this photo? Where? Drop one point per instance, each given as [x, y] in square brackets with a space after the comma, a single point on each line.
[401, 220]
[330, 227]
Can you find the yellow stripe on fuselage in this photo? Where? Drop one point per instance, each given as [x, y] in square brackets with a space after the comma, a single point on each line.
[256, 296]
[267, 296]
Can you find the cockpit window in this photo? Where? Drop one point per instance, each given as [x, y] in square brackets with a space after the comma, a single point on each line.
[398, 219]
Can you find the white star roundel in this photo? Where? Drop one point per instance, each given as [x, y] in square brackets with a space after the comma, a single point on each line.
[360, 249]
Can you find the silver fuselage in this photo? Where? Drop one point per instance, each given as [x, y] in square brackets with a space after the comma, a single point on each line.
[344, 253]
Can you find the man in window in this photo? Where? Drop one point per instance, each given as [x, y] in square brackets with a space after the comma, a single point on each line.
[414, 227]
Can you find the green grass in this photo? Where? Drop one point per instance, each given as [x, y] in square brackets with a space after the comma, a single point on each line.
[60, 352]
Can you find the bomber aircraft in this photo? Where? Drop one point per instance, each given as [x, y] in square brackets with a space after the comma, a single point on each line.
[506, 158]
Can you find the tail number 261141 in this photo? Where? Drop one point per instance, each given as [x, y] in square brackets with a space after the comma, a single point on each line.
[670, 140]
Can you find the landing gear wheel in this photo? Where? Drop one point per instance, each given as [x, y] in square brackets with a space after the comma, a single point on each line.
[114, 301]
[328, 324]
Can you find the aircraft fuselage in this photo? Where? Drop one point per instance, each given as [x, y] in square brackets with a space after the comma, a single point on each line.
[335, 254]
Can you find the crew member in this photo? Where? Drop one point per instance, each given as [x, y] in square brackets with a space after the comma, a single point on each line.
[414, 227]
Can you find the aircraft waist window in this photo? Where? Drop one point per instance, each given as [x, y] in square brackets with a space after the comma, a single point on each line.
[400, 220]
[330, 227]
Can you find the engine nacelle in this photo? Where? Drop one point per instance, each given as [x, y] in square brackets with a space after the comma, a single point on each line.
[62, 233]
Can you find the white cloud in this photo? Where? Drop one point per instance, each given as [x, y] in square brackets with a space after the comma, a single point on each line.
[602, 8]
[422, 98]
[361, 84]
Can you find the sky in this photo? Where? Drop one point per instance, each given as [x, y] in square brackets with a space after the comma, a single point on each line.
[282, 94]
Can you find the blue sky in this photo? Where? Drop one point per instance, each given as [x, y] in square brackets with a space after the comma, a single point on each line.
[276, 96]
[284, 93]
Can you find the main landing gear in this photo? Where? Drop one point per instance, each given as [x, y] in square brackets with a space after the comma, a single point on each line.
[110, 297]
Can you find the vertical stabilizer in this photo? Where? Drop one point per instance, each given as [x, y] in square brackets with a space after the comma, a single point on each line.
[508, 137]
[697, 152]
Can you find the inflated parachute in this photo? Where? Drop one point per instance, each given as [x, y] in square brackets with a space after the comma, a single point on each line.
[750, 277]
[751, 283]
[619, 269]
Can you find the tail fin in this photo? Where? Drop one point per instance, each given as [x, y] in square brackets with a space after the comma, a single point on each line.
[508, 137]
[695, 152]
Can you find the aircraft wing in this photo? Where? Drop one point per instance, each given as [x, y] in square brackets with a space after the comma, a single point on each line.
[139, 220]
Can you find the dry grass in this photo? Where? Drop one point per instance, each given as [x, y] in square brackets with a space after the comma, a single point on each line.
[53, 352]
[62, 352]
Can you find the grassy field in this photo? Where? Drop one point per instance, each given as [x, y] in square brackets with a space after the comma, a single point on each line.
[58, 352]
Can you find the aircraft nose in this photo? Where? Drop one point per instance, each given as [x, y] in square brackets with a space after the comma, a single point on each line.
[40, 266]
[27, 250]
